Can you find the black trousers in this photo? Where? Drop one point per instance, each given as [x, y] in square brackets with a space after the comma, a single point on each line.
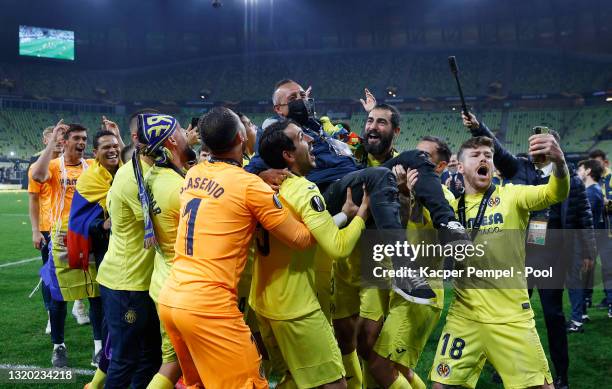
[552, 305]
[381, 185]
[133, 328]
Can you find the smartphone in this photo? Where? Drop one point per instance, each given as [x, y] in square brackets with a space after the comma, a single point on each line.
[194, 122]
[540, 130]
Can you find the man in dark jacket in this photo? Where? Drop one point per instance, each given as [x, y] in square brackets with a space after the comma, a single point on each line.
[452, 178]
[590, 172]
[572, 214]
[604, 236]
[336, 170]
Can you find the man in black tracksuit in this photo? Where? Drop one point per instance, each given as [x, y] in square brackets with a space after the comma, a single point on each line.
[572, 214]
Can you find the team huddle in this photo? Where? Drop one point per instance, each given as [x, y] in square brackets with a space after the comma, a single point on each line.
[242, 267]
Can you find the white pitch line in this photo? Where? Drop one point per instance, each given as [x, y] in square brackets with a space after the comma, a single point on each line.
[19, 262]
[4, 366]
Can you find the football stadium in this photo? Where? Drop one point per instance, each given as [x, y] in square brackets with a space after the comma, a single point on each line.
[299, 194]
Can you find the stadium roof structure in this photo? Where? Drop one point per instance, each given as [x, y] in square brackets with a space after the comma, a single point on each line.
[133, 33]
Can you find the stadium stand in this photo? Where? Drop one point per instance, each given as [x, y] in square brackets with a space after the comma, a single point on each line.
[580, 128]
[336, 75]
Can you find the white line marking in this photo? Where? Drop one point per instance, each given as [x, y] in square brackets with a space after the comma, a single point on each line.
[5, 366]
[19, 262]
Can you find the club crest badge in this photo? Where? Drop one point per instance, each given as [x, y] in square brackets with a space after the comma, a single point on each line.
[130, 316]
[443, 370]
[494, 201]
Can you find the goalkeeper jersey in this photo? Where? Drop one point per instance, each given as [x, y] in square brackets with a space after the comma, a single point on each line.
[283, 284]
[508, 209]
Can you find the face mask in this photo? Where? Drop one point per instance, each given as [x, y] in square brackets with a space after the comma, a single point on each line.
[191, 155]
[300, 110]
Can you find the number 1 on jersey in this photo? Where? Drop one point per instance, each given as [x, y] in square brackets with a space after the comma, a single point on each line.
[191, 208]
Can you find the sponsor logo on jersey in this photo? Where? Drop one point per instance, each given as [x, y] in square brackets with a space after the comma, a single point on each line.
[488, 220]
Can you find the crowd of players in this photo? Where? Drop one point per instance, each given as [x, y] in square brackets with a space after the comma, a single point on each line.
[245, 264]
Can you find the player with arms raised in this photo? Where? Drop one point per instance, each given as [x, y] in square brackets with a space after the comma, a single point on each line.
[496, 324]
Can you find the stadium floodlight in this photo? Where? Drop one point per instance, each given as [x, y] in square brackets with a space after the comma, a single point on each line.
[609, 99]
[12, 153]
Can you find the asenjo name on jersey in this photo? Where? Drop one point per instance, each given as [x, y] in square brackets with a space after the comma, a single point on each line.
[413, 251]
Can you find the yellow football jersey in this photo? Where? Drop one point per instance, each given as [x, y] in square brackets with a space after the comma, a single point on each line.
[164, 186]
[127, 265]
[507, 210]
[283, 285]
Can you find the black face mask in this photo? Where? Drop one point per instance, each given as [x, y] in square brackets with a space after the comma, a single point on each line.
[192, 156]
[300, 110]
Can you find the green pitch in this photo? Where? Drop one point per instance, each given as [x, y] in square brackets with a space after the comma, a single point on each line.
[48, 48]
[23, 320]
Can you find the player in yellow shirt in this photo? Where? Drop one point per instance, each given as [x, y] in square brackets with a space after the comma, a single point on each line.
[496, 324]
[125, 272]
[358, 312]
[65, 284]
[407, 327]
[39, 196]
[221, 204]
[164, 181]
[283, 292]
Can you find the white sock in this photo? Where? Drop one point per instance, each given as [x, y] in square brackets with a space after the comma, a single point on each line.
[97, 346]
[55, 346]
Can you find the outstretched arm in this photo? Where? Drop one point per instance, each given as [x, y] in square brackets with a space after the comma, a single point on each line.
[504, 161]
[40, 168]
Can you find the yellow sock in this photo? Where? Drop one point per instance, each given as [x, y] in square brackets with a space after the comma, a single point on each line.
[368, 381]
[416, 382]
[98, 380]
[160, 381]
[354, 378]
[400, 383]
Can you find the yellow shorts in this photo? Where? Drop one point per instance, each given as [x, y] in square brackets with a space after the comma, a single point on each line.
[374, 303]
[323, 285]
[344, 291]
[514, 350]
[167, 349]
[406, 331]
[306, 346]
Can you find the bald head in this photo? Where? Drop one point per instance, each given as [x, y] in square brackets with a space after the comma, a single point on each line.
[286, 91]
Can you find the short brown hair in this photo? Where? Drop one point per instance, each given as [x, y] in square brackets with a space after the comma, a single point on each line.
[474, 143]
[597, 169]
[598, 153]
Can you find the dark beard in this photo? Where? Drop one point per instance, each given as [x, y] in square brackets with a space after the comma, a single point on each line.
[377, 149]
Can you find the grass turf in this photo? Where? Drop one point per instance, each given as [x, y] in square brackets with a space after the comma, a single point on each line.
[48, 48]
[23, 320]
